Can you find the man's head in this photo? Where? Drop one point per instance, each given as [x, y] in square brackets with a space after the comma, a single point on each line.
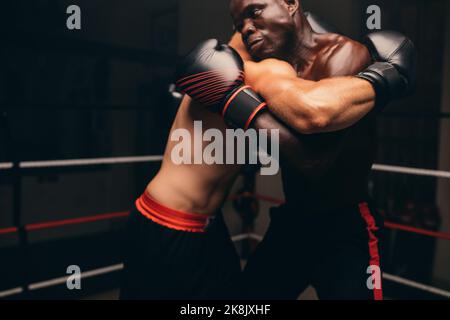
[269, 28]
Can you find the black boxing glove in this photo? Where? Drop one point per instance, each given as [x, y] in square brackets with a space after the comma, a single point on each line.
[393, 74]
[213, 75]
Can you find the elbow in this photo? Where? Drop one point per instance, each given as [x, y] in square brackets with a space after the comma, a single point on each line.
[318, 123]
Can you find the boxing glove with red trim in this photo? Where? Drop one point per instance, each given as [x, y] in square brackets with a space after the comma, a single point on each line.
[213, 75]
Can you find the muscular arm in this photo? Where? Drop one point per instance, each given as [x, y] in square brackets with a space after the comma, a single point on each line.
[317, 107]
[307, 106]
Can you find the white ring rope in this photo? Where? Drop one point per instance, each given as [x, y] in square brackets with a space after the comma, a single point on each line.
[138, 159]
[11, 292]
[87, 274]
[412, 171]
[89, 162]
[6, 165]
[417, 285]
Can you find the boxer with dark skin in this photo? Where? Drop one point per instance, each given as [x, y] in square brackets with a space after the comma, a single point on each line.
[326, 235]
[276, 33]
[176, 249]
[281, 54]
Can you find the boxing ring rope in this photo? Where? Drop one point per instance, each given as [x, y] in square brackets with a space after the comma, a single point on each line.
[88, 162]
[84, 275]
[412, 171]
[434, 234]
[60, 223]
[157, 158]
[6, 165]
[124, 214]
[8, 230]
[11, 292]
[416, 285]
[236, 238]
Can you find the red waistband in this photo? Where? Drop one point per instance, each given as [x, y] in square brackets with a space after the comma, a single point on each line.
[171, 218]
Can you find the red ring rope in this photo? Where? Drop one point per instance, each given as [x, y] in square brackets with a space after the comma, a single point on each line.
[108, 216]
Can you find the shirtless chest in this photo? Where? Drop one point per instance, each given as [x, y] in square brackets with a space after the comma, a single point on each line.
[187, 180]
[198, 138]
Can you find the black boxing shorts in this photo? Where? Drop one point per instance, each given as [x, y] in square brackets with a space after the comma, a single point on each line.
[337, 252]
[177, 255]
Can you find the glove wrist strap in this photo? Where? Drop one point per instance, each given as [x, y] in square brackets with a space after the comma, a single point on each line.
[241, 107]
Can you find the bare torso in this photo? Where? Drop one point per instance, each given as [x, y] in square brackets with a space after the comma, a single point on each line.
[194, 188]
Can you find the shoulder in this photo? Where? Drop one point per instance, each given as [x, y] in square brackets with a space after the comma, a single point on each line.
[346, 56]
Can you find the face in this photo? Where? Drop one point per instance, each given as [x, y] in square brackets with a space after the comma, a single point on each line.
[267, 27]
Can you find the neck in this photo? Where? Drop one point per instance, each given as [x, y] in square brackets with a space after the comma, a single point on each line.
[306, 48]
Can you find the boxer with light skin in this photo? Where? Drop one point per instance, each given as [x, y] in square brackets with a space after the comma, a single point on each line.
[178, 250]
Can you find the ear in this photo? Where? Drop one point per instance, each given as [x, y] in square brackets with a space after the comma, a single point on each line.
[293, 6]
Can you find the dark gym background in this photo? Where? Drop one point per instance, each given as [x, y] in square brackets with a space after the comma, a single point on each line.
[102, 92]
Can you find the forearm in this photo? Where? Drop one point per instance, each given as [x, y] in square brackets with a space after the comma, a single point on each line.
[307, 155]
[317, 107]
